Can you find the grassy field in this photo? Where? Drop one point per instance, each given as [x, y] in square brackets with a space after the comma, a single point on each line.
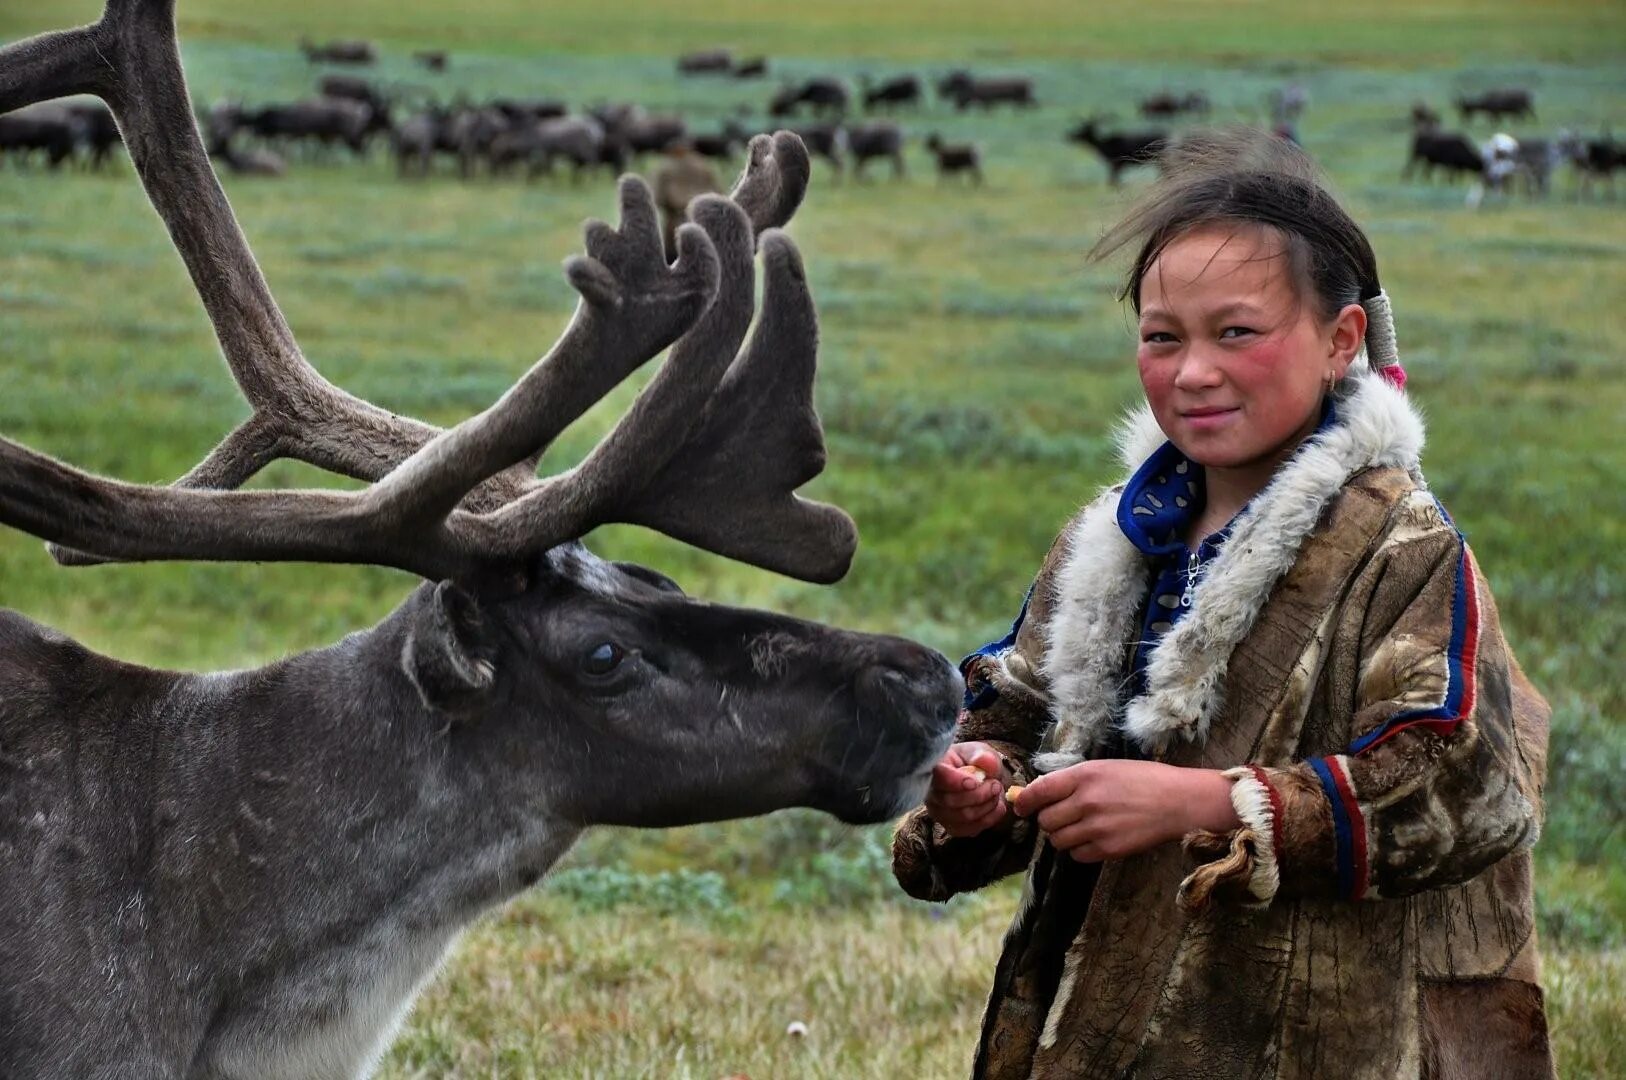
[972, 364]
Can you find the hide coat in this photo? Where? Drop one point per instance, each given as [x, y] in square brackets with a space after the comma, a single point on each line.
[1342, 660]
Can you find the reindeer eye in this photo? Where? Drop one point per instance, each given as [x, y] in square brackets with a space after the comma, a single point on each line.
[603, 658]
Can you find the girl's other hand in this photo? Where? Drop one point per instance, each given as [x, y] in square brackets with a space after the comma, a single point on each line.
[958, 800]
[1111, 809]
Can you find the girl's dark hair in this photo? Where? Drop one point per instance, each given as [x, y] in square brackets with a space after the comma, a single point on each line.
[1247, 177]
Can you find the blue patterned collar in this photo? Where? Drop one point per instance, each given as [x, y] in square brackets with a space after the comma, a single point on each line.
[1167, 492]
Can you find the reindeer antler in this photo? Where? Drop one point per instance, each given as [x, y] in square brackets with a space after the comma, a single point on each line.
[698, 416]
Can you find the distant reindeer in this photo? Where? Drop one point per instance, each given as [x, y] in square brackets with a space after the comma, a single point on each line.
[706, 62]
[721, 145]
[1455, 153]
[435, 60]
[754, 67]
[876, 139]
[51, 129]
[98, 131]
[823, 95]
[893, 93]
[965, 90]
[1512, 103]
[953, 158]
[1594, 160]
[339, 52]
[824, 139]
[252, 873]
[1121, 150]
[1168, 105]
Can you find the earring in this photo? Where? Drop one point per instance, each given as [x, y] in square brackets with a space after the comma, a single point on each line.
[1330, 381]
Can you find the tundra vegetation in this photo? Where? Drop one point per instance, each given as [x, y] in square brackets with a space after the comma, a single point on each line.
[971, 365]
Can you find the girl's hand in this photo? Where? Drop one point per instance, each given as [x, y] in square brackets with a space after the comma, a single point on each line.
[957, 800]
[1112, 809]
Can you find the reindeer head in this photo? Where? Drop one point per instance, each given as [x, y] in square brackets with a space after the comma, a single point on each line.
[529, 650]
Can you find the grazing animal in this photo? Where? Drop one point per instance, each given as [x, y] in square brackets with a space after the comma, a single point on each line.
[706, 62]
[755, 67]
[339, 52]
[578, 140]
[1534, 161]
[1455, 153]
[1596, 159]
[1168, 105]
[1422, 116]
[953, 158]
[97, 130]
[824, 96]
[356, 88]
[417, 139]
[645, 134]
[519, 111]
[324, 121]
[893, 93]
[435, 60]
[876, 139]
[824, 139]
[250, 160]
[252, 873]
[51, 129]
[721, 145]
[1121, 150]
[1513, 103]
[472, 132]
[964, 90]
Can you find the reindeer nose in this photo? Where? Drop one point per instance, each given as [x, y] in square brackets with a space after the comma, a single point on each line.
[904, 675]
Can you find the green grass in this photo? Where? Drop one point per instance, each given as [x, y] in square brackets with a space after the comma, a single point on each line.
[972, 365]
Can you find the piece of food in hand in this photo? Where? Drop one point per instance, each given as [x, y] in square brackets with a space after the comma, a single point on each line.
[975, 773]
[1013, 792]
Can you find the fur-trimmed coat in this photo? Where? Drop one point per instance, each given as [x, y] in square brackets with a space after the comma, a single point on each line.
[1343, 661]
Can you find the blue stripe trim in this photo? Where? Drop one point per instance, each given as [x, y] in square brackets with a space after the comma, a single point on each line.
[1340, 827]
[1455, 681]
[986, 695]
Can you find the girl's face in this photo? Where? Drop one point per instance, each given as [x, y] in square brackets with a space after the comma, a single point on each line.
[1234, 362]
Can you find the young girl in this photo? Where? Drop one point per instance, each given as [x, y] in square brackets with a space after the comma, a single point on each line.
[1280, 773]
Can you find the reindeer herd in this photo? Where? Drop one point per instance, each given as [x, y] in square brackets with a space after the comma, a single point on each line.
[1504, 162]
[849, 127]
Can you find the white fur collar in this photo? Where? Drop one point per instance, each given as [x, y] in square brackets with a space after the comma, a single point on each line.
[1102, 579]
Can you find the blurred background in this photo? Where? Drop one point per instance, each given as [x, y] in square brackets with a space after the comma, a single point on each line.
[410, 177]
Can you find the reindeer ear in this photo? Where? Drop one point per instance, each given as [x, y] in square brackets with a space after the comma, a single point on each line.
[448, 654]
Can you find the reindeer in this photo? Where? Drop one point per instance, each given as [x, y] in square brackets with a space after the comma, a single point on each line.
[1166, 104]
[955, 158]
[823, 95]
[1123, 149]
[965, 90]
[339, 52]
[1514, 102]
[876, 139]
[251, 873]
[51, 128]
[706, 62]
[893, 93]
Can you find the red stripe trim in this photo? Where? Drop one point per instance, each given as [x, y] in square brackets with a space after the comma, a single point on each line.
[1462, 670]
[1470, 640]
[1357, 824]
[1275, 798]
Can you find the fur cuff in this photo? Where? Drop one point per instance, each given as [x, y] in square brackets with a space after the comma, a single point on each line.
[1248, 870]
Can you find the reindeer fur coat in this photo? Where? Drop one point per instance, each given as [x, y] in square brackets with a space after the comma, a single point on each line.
[1343, 661]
